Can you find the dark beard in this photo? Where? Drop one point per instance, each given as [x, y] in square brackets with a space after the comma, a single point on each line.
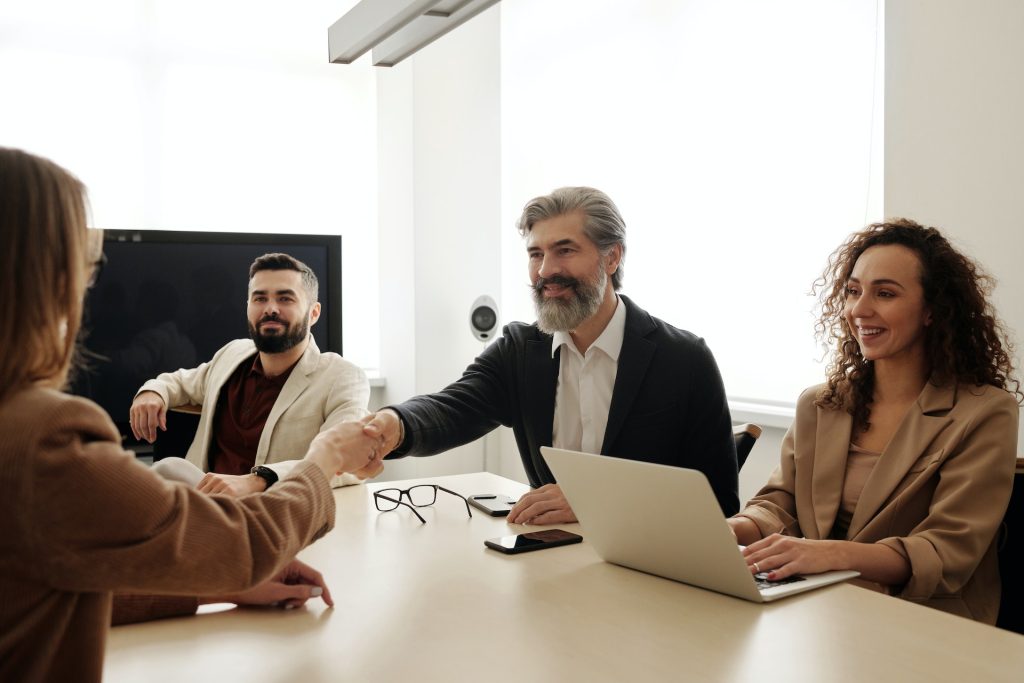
[279, 343]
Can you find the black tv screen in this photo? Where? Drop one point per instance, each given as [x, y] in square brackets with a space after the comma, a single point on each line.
[169, 299]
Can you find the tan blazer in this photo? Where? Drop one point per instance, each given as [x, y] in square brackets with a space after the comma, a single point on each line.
[936, 496]
[323, 390]
[82, 518]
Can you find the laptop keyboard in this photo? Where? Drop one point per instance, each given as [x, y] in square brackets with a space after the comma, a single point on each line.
[763, 583]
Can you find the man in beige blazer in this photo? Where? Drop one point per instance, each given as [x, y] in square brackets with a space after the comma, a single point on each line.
[937, 495]
[262, 399]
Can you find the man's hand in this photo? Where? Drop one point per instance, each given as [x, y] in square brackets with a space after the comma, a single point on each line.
[346, 447]
[388, 426]
[545, 505]
[231, 484]
[148, 412]
[293, 585]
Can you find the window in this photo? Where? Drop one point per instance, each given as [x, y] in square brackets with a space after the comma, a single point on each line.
[741, 140]
[217, 115]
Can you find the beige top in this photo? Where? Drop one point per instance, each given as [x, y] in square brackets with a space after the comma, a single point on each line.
[81, 518]
[859, 464]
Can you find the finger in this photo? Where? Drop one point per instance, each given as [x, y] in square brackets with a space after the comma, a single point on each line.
[297, 594]
[314, 579]
[370, 471]
[533, 510]
[326, 595]
[163, 418]
[140, 422]
[133, 420]
[208, 484]
[150, 426]
[517, 509]
[549, 517]
[761, 544]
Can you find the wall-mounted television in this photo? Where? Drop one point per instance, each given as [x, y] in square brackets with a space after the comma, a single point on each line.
[169, 299]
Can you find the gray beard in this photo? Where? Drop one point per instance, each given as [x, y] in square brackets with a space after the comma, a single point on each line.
[565, 315]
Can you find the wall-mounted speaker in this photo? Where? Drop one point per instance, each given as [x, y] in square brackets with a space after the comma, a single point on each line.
[483, 318]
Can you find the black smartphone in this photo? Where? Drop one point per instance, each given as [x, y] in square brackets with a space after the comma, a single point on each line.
[494, 504]
[534, 540]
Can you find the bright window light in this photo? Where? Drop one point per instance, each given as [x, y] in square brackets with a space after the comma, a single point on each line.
[736, 136]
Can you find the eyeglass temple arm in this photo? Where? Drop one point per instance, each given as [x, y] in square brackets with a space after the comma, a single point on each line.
[469, 511]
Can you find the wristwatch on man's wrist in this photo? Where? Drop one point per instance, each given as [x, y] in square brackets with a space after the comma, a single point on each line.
[266, 474]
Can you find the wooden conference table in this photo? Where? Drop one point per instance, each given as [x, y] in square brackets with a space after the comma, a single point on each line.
[428, 602]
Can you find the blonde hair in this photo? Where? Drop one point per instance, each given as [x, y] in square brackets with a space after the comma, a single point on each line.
[44, 256]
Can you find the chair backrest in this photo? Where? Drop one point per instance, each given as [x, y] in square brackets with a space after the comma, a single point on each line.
[1011, 547]
[745, 436]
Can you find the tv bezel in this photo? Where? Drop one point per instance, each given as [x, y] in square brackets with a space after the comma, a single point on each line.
[331, 279]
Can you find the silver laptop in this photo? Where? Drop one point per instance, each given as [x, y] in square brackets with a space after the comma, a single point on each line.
[664, 521]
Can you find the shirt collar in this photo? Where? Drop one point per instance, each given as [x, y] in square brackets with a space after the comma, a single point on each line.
[610, 339]
[256, 370]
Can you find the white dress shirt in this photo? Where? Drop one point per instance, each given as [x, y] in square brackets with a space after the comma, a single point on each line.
[585, 384]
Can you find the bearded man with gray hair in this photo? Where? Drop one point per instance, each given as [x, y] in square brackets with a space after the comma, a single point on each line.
[595, 373]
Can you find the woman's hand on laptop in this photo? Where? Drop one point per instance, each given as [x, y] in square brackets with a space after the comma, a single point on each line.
[546, 505]
[781, 556]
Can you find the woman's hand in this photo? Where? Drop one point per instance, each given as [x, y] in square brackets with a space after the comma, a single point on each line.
[781, 556]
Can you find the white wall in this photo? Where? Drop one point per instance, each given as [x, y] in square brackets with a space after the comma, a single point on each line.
[954, 145]
[439, 141]
[954, 122]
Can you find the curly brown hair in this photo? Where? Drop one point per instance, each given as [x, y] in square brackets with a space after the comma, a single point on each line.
[966, 343]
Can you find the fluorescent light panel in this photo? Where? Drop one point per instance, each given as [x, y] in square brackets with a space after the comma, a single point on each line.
[439, 20]
[371, 21]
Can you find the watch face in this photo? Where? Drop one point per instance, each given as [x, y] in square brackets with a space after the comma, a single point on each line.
[266, 474]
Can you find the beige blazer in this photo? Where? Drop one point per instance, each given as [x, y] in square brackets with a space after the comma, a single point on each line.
[936, 496]
[323, 390]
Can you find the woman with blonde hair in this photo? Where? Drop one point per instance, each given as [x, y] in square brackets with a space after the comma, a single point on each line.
[82, 519]
[901, 465]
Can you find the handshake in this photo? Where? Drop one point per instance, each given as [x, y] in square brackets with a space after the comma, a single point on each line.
[358, 447]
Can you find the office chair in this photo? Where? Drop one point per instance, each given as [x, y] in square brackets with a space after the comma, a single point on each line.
[1010, 547]
[745, 435]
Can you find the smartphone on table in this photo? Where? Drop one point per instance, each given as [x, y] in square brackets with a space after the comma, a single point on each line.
[533, 540]
[493, 504]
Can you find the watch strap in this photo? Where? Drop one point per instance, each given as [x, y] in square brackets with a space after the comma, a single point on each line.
[266, 474]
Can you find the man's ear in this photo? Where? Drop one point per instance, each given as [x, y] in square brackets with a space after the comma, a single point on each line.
[314, 313]
[613, 259]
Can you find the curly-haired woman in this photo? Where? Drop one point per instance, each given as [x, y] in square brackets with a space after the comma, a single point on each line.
[901, 465]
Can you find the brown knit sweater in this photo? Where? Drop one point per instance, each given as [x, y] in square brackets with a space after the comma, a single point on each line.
[80, 518]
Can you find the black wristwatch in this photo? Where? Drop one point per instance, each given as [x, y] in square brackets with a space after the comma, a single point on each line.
[266, 474]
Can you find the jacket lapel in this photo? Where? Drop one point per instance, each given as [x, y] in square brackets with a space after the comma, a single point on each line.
[634, 359]
[292, 389]
[540, 382]
[914, 436]
[832, 446]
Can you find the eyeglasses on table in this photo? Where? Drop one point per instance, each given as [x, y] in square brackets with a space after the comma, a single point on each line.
[421, 495]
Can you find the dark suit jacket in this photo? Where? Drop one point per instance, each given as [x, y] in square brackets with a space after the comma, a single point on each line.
[668, 404]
